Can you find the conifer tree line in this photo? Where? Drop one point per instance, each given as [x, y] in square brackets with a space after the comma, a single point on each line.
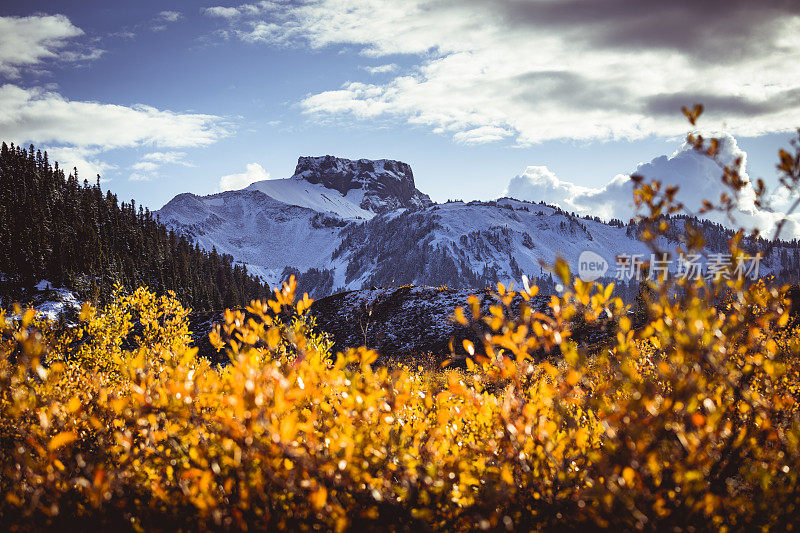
[55, 228]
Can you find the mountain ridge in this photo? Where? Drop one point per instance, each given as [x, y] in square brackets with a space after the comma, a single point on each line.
[305, 226]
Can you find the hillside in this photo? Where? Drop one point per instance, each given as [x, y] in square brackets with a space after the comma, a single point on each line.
[54, 228]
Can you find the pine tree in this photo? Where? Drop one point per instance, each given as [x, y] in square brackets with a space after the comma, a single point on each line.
[53, 227]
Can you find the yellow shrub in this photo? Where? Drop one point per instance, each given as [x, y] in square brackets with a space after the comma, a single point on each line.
[690, 421]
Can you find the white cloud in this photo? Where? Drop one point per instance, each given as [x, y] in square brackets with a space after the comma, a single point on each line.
[175, 158]
[221, 12]
[47, 117]
[482, 134]
[240, 11]
[146, 168]
[539, 183]
[79, 132]
[170, 16]
[164, 18]
[536, 71]
[232, 182]
[85, 160]
[124, 34]
[697, 176]
[381, 69]
[26, 42]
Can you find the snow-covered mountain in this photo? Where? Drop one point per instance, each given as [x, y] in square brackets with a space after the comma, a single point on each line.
[377, 186]
[340, 224]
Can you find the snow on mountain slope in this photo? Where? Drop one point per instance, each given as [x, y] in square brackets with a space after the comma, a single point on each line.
[528, 233]
[474, 244]
[338, 231]
[265, 234]
[315, 196]
[275, 225]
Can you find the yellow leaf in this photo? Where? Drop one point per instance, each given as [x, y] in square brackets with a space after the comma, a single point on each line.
[629, 475]
[468, 346]
[74, 404]
[369, 357]
[507, 475]
[562, 270]
[319, 498]
[62, 439]
[573, 377]
[581, 437]
[608, 291]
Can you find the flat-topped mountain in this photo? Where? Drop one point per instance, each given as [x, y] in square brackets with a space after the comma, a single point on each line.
[383, 184]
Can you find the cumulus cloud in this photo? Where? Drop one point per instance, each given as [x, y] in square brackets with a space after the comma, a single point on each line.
[84, 159]
[148, 166]
[243, 10]
[170, 16]
[26, 42]
[381, 69]
[145, 166]
[252, 174]
[481, 135]
[697, 177]
[47, 117]
[175, 158]
[82, 131]
[221, 12]
[536, 71]
[164, 18]
[539, 183]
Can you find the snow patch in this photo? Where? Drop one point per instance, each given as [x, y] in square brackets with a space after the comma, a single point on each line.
[301, 193]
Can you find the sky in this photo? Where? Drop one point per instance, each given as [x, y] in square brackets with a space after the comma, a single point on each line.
[162, 98]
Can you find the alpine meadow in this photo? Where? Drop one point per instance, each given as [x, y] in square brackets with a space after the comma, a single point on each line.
[411, 335]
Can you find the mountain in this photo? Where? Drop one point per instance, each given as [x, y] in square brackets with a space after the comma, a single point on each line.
[340, 225]
[378, 186]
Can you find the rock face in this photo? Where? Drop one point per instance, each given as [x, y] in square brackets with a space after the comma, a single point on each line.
[400, 322]
[386, 184]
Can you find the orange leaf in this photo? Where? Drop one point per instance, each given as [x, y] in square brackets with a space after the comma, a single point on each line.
[62, 439]
[469, 347]
[319, 498]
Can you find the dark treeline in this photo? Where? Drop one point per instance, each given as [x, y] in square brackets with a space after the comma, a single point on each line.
[55, 228]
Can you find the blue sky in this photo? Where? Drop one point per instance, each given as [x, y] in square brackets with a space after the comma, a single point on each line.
[469, 93]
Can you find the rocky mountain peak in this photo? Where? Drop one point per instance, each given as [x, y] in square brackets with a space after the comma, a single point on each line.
[386, 184]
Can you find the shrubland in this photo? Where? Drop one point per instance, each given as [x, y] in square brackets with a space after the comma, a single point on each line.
[685, 421]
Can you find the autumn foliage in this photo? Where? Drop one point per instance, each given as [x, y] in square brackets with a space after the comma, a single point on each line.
[688, 420]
